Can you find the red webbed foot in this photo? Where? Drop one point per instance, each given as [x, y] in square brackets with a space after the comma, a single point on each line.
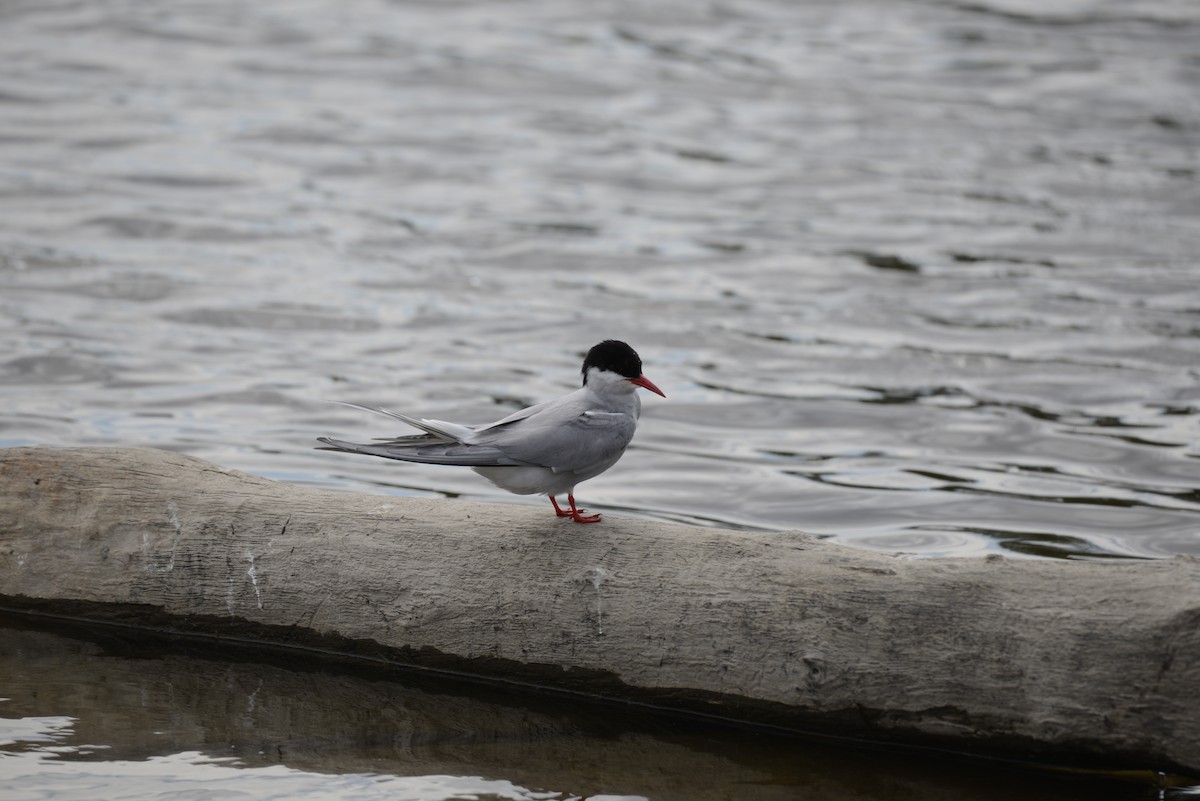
[578, 515]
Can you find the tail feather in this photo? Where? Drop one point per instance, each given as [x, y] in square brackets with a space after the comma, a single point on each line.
[430, 452]
[443, 431]
[442, 443]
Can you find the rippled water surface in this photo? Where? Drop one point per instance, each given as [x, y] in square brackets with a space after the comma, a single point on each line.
[108, 718]
[914, 275]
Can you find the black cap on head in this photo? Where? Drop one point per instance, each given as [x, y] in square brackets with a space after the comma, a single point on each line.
[614, 355]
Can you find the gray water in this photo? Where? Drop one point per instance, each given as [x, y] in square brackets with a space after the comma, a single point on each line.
[915, 276]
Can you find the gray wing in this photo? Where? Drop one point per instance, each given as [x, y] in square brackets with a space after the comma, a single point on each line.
[425, 448]
[562, 439]
[442, 443]
[561, 435]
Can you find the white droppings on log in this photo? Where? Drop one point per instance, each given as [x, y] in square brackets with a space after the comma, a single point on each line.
[597, 575]
[253, 574]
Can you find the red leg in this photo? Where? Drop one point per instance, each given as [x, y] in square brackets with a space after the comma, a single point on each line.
[558, 511]
[579, 515]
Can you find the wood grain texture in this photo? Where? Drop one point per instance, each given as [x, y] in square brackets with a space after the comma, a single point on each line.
[1071, 660]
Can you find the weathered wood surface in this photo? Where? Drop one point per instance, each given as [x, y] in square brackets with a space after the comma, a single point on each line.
[1060, 659]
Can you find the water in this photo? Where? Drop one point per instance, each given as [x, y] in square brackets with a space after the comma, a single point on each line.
[103, 716]
[915, 276]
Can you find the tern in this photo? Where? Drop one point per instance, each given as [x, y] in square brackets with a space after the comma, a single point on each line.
[545, 449]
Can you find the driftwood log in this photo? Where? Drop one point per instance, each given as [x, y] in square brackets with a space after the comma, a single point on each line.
[1084, 662]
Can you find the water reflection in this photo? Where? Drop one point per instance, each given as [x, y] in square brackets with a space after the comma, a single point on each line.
[84, 717]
